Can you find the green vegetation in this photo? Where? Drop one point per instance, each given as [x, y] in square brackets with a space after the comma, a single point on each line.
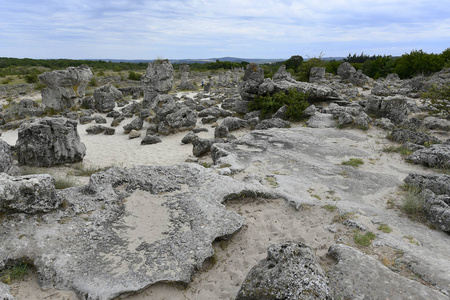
[16, 272]
[385, 228]
[81, 170]
[294, 100]
[413, 202]
[364, 239]
[330, 208]
[439, 97]
[354, 162]
[64, 182]
[134, 76]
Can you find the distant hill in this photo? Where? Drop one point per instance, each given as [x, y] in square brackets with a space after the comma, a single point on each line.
[206, 60]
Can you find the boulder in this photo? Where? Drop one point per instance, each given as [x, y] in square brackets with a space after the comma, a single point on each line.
[316, 74]
[253, 78]
[158, 79]
[346, 70]
[437, 183]
[395, 109]
[150, 140]
[437, 209]
[434, 123]
[436, 156]
[48, 142]
[202, 146]
[184, 73]
[64, 87]
[105, 98]
[359, 276]
[5, 157]
[404, 135]
[182, 119]
[385, 123]
[136, 124]
[188, 138]
[99, 120]
[272, 123]
[320, 120]
[134, 134]
[28, 194]
[97, 129]
[290, 271]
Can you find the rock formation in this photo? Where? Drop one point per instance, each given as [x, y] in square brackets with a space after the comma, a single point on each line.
[5, 157]
[105, 98]
[64, 87]
[184, 73]
[48, 142]
[158, 79]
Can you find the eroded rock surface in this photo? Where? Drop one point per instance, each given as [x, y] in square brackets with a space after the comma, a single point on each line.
[49, 141]
[158, 79]
[128, 229]
[290, 271]
[358, 276]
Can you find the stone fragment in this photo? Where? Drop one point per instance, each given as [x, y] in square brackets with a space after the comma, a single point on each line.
[105, 98]
[272, 123]
[150, 140]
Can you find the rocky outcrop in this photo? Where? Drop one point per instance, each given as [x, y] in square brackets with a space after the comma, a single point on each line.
[290, 271]
[136, 124]
[253, 78]
[395, 109]
[5, 157]
[48, 142]
[184, 73]
[28, 194]
[64, 87]
[97, 129]
[346, 70]
[359, 276]
[434, 123]
[272, 123]
[400, 135]
[128, 229]
[105, 98]
[435, 156]
[316, 74]
[158, 79]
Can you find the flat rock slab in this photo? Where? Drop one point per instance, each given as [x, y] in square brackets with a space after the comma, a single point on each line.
[127, 229]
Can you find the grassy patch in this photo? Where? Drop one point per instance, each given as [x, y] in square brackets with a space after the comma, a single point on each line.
[404, 151]
[330, 208]
[82, 170]
[16, 272]
[342, 217]
[64, 182]
[385, 228]
[272, 181]
[206, 165]
[224, 166]
[413, 203]
[364, 239]
[353, 162]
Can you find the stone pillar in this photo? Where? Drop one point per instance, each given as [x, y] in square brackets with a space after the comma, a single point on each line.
[158, 79]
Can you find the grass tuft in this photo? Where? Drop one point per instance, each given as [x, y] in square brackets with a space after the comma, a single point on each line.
[354, 162]
[413, 202]
[385, 228]
[364, 239]
[16, 272]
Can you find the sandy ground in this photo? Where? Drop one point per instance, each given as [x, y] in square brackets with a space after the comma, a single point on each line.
[266, 221]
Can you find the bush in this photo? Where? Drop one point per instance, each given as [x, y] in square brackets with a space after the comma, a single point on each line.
[439, 98]
[134, 76]
[364, 239]
[31, 78]
[294, 100]
[413, 202]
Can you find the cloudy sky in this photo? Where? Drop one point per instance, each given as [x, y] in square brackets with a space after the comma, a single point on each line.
[149, 29]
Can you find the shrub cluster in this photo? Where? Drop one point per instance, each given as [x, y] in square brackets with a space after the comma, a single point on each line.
[294, 100]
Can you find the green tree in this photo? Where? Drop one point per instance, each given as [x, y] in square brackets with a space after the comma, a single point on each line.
[294, 62]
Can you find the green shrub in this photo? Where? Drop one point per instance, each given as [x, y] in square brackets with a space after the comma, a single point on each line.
[364, 239]
[439, 98]
[64, 182]
[134, 76]
[294, 100]
[31, 78]
[413, 202]
[354, 162]
[385, 228]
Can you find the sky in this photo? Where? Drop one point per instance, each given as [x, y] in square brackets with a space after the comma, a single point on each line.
[177, 29]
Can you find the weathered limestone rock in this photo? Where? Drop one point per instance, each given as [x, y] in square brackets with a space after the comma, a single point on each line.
[28, 194]
[97, 129]
[346, 70]
[49, 141]
[64, 87]
[105, 98]
[134, 134]
[128, 229]
[437, 209]
[136, 124]
[290, 272]
[158, 79]
[272, 123]
[359, 276]
[395, 109]
[182, 119]
[435, 156]
[320, 120]
[150, 140]
[253, 78]
[185, 84]
[434, 123]
[404, 135]
[5, 157]
[5, 292]
[316, 74]
[188, 138]
[437, 183]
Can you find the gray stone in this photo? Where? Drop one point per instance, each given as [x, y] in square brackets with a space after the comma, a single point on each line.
[5, 292]
[320, 120]
[184, 73]
[281, 113]
[404, 135]
[48, 142]
[437, 209]
[99, 120]
[105, 98]
[116, 122]
[310, 111]
[134, 134]
[209, 120]
[214, 111]
[198, 130]
[241, 106]
[437, 183]
[64, 87]
[395, 109]
[158, 79]
[316, 74]
[233, 123]
[5, 157]
[221, 132]
[385, 123]
[359, 78]
[290, 271]
[188, 138]
[151, 129]
[182, 119]
[28, 194]
[435, 156]
[272, 123]
[136, 124]
[346, 70]
[86, 119]
[202, 146]
[150, 140]
[359, 276]
[96, 129]
[253, 78]
[128, 229]
[434, 123]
